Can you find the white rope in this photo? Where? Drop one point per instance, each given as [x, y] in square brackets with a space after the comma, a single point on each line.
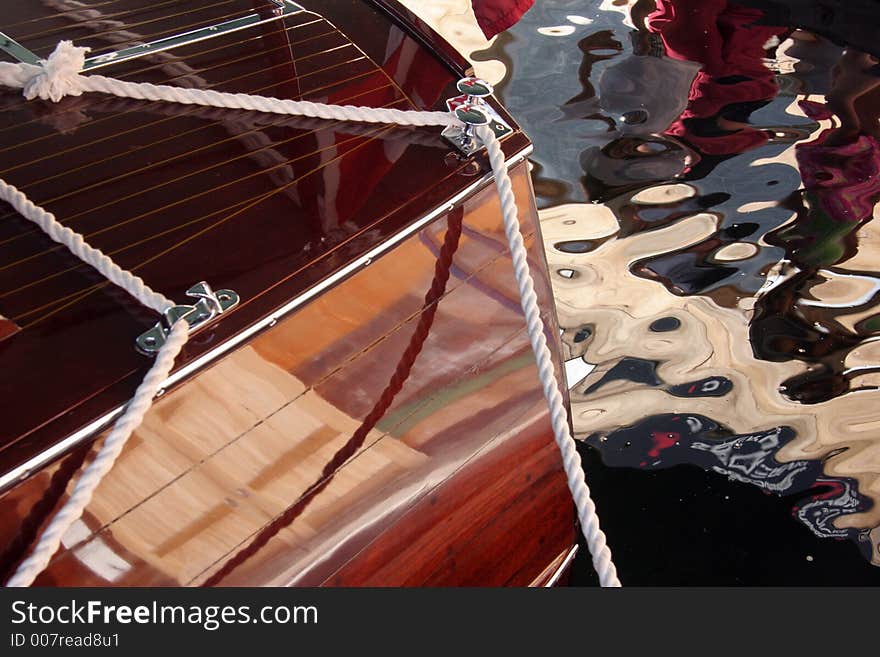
[134, 413]
[571, 460]
[77, 245]
[60, 76]
[91, 477]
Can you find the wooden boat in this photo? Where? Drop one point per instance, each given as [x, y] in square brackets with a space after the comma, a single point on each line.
[369, 412]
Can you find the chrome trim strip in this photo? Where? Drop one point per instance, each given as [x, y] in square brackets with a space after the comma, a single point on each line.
[14, 48]
[193, 36]
[562, 567]
[283, 9]
[25, 469]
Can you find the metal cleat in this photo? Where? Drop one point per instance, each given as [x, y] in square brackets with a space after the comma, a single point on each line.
[207, 310]
[472, 110]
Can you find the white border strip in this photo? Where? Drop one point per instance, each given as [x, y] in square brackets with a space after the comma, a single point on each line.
[554, 579]
[24, 470]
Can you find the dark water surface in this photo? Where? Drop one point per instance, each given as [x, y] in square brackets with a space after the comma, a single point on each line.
[708, 173]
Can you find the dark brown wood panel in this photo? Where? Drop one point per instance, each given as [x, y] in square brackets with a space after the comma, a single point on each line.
[266, 205]
[458, 481]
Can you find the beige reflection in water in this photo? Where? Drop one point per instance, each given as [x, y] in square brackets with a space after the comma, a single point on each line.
[597, 289]
[455, 20]
[711, 341]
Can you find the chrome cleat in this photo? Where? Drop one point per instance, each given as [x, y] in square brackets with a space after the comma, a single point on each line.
[472, 110]
[207, 310]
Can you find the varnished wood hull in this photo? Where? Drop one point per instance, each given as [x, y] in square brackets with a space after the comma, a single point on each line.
[416, 361]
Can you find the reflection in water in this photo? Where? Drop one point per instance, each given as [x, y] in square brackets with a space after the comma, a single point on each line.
[663, 441]
[821, 309]
[709, 174]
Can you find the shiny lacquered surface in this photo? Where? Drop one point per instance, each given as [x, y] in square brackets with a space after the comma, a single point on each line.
[265, 205]
[456, 482]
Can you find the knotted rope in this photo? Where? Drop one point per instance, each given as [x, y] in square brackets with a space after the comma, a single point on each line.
[60, 75]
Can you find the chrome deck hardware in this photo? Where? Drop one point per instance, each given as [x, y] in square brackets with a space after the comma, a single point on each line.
[475, 111]
[273, 10]
[472, 116]
[475, 89]
[205, 311]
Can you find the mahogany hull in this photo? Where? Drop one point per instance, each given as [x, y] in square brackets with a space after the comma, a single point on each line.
[416, 359]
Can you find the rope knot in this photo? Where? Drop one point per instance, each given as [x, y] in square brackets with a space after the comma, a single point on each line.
[59, 75]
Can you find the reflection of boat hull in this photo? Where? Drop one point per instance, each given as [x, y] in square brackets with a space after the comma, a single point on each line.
[387, 429]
